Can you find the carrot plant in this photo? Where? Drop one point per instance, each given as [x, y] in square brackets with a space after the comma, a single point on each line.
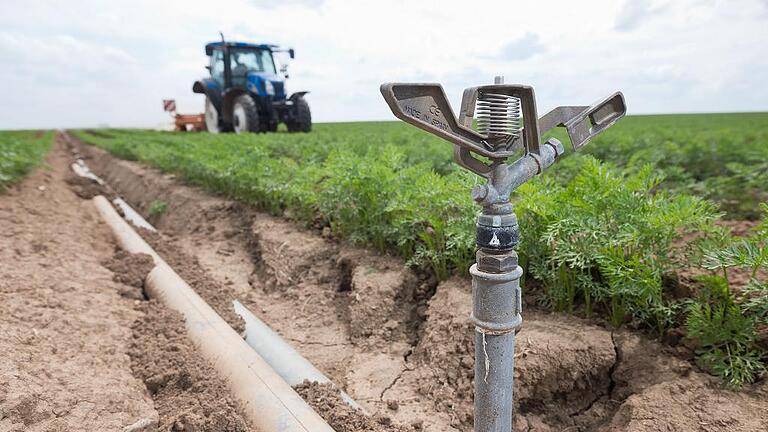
[20, 151]
[723, 322]
[721, 157]
[605, 239]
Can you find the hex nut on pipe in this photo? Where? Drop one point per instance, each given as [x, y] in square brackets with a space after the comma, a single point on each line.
[496, 263]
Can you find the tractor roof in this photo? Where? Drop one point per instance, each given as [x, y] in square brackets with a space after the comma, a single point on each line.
[210, 46]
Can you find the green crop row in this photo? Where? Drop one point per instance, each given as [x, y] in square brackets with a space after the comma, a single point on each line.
[20, 151]
[721, 157]
[597, 239]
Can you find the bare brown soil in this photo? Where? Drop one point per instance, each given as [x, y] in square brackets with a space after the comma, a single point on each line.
[64, 330]
[81, 347]
[188, 393]
[403, 347]
[326, 400]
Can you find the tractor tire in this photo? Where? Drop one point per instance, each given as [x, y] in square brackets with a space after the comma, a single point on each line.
[211, 117]
[302, 121]
[269, 127]
[245, 115]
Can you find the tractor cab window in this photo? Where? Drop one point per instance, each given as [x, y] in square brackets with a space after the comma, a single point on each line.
[217, 65]
[244, 61]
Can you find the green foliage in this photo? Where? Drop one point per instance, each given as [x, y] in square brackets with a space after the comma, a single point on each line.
[367, 193]
[157, 207]
[721, 157]
[20, 151]
[724, 334]
[724, 323]
[605, 238]
[755, 301]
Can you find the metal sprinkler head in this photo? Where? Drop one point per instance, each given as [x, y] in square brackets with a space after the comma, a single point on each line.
[495, 123]
[506, 118]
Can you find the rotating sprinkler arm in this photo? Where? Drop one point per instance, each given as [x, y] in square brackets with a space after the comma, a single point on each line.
[507, 123]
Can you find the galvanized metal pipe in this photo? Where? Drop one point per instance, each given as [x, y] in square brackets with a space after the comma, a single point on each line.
[496, 314]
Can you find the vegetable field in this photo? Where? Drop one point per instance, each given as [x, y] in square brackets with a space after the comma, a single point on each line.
[632, 231]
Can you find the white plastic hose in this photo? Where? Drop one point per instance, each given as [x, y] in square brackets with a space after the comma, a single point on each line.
[285, 360]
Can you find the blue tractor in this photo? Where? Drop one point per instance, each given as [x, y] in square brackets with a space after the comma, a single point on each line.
[245, 93]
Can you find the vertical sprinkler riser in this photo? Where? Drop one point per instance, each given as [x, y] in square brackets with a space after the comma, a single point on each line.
[507, 123]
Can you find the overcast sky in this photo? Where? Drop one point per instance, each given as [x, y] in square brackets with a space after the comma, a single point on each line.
[91, 63]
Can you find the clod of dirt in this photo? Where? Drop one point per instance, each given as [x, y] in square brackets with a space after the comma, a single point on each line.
[188, 393]
[446, 351]
[86, 188]
[642, 364]
[690, 404]
[289, 256]
[326, 400]
[131, 270]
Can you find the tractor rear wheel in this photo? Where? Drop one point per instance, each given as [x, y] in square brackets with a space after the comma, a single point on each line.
[302, 120]
[211, 117]
[245, 114]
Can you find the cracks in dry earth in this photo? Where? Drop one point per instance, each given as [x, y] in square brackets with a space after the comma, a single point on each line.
[394, 381]
[611, 385]
[616, 361]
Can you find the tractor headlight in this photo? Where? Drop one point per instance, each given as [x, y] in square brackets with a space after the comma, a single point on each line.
[269, 88]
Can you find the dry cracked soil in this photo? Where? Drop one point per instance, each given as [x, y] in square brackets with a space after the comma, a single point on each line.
[84, 349]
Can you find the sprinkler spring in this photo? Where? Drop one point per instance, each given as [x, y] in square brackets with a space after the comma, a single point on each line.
[498, 115]
[507, 122]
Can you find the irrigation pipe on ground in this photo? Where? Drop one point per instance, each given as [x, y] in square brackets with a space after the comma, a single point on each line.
[281, 356]
[268, 401]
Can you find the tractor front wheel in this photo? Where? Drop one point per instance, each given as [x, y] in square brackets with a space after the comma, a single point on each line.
[211, 117]
[302, 120]
[245, 115]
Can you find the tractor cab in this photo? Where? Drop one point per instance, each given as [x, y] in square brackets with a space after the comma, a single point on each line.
[246, 90]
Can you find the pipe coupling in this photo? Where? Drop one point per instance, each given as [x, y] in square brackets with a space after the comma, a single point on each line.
[496, 301]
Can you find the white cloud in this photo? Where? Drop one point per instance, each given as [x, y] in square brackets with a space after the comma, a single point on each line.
[271, 4]
[523, 48]
[97, 62]
[635, 12]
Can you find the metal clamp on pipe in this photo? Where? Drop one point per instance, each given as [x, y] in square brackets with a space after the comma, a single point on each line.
[506, 125]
